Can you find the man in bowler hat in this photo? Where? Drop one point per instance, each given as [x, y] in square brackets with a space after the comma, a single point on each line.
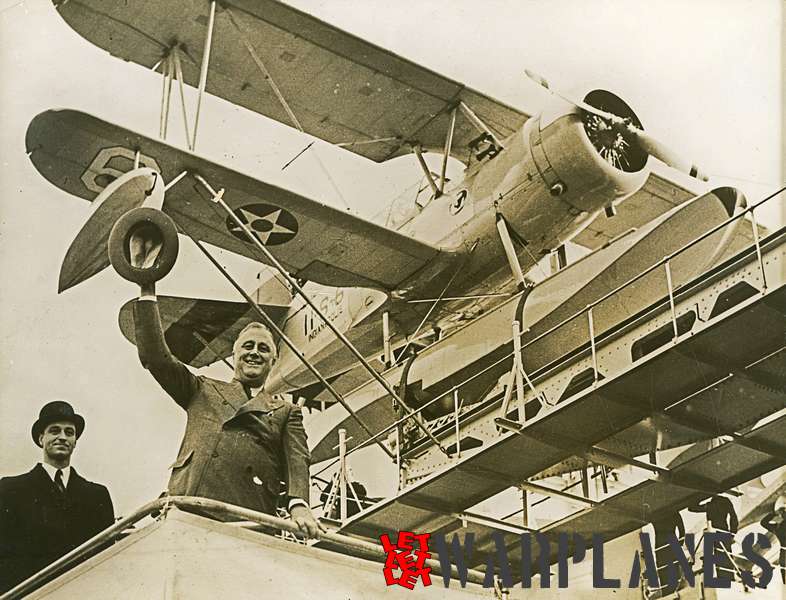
[50, 510]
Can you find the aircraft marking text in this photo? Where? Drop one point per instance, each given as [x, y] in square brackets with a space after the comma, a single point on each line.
[111, 163]
[331, 306]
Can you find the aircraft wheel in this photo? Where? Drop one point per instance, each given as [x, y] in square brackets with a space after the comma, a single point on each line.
[143, 245]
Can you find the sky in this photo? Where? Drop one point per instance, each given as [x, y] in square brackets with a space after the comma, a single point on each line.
[702, 75]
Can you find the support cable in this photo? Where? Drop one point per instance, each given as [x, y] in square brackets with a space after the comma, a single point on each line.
[179, 75]
[263, 69]
[296, 286]
[279, 332]
[438, 300]
[281, 99]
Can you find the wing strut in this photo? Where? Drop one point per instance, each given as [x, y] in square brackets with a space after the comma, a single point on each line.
[203, 71]
[171, 68]
[179, 74]
[448, 147]
[284, 338]
[479, 125]
[429, 176]
[510, 252]
[166, 94]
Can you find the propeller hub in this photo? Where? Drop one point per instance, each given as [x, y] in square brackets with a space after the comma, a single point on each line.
[613, 140]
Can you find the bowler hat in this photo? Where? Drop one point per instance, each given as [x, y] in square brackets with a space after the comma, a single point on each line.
[56, 411]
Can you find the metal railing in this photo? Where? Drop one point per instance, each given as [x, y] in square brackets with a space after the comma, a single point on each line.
[216, 508]
[593, 336]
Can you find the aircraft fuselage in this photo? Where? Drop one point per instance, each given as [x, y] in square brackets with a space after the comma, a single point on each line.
[548, 182]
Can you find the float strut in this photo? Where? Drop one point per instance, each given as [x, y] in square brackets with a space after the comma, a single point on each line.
[510, 252]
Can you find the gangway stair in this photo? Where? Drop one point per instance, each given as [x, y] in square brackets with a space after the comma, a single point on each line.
[708, 358]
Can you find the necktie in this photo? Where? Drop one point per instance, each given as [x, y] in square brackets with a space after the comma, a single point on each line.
[59, 481]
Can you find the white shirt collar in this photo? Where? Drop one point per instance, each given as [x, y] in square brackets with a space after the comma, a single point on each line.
[255, 390]
[52, 470]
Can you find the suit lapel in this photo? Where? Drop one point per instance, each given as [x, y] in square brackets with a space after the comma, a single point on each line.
[75, 483]
[42, 479]
[44, 483]
[261, 403]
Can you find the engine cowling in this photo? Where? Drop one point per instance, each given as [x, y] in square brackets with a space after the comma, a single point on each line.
[583, 159]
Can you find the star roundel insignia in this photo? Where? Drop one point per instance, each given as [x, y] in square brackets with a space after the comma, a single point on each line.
[271, 224]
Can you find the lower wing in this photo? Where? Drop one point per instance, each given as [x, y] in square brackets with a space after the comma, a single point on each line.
[82, 154]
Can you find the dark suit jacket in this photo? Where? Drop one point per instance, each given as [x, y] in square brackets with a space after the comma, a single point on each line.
[38, 524]
[235, 449]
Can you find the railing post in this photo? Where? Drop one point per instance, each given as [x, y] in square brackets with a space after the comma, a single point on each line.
[399, 464]
[757, 243]
[342, 477]
[387, 351]
[670, 286]
[458, 433]
[518, 368]
[524, 508]
[591, 324]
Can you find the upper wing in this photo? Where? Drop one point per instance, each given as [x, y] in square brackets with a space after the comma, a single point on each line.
[340, 88]
[81, 154]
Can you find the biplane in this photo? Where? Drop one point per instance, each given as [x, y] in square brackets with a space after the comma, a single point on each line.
[577, 170]
[580, 366]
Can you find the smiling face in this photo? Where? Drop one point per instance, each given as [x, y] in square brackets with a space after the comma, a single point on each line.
[58, 441]
[255, 354]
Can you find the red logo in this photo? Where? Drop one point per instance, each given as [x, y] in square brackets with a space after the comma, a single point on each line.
[408, 561]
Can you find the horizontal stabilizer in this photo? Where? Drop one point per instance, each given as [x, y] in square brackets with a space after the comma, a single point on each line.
[199, 332]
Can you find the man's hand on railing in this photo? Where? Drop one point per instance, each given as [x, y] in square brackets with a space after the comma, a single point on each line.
[305, 521]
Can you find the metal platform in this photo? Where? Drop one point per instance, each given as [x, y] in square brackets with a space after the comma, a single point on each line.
[721, 467]
[464, 365]
[182, 555]
[715, 372]
[723, 372]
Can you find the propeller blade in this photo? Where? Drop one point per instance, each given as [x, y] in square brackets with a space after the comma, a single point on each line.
[649, 143]
[666, 155]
